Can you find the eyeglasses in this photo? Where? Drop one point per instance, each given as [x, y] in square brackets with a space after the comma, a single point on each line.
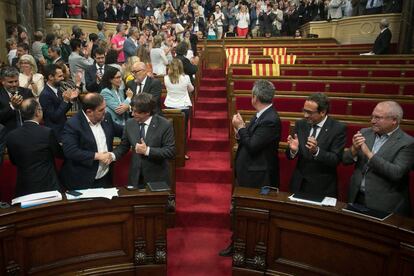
[379, 118]
[137, 71]
[309, 112]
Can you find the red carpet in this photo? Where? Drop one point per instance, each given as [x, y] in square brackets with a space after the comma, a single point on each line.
[203, 190]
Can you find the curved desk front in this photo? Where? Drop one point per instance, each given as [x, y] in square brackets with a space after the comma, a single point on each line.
[125, 235]
[275, 236]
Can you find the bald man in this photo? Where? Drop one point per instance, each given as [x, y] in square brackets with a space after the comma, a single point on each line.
[34, 159]
[383, 156]
[145, 84]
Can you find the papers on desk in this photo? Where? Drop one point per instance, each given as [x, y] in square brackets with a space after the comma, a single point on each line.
[94, 193]
[37, 199]
[326, 201]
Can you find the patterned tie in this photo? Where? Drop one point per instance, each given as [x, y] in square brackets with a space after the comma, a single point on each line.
[141, 131]
[100, 71]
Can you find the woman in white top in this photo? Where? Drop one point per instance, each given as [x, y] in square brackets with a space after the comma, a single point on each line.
[219, 18]
[159, 60]
[178, 88]
[243, 21]
[28, 77]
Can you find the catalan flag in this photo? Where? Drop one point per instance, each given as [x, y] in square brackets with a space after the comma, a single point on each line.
[287, 59]
[236, 52]
[274, 51]
[237, 60]
[265, 70]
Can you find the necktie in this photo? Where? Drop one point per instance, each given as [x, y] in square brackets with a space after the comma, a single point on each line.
[141, 131]
[371, 4]
[314, 130]
[100, 71]
[139, 88]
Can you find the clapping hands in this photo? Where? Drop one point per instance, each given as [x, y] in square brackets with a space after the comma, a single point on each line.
[104, 157]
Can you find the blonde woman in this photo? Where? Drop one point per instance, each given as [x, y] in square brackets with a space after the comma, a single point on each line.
[28, 77]
[178, 87]
[243, 21]
[158, 56]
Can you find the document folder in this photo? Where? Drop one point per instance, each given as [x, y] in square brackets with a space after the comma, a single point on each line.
[158, 186]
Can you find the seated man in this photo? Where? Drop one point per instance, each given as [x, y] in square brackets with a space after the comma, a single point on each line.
[151, 137]
[383, 156]
[318, 142]
[87, 140]
[34, 158]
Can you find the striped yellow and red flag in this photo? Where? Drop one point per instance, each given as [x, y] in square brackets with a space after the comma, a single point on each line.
[286, 59]
[236, 52]
[265, 70]
[274, 51]
[236, 60]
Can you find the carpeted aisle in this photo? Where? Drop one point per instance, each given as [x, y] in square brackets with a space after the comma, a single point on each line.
[203, 189]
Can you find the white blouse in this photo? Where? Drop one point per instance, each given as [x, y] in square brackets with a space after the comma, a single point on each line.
[38, 81]
[243, 20]
[178, 93]
[159, 61]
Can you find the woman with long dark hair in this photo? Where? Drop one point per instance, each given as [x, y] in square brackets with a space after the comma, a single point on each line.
[116, 103]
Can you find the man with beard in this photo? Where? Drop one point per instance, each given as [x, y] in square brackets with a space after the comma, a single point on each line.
[55, 102]
[11, 97]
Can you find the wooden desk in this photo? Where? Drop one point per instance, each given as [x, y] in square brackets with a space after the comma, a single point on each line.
[86, 237]
[278, 237]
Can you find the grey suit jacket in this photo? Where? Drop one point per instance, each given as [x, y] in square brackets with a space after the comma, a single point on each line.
[160, 138]
[387, 176]
[129, 48]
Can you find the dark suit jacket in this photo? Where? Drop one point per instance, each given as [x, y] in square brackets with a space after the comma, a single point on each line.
[8, 116]
[79, 148]
[100, 10]
[54, 110]
[382, 43]
[160, 139]
[59, 10]
[2, 141]
[90, 79]
[189, 68]
[317, 175]
[257, 161]
[387, 176]
[35, 159]
[152, 86]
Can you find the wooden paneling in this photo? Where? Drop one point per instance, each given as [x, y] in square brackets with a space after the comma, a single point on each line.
[89, 237]
[301, 239]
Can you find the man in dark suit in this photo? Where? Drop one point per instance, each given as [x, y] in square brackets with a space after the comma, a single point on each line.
[59, 8]
[35, 159]
[87, 141]
[383, 156]
[55, 102]
[318, 142]
[94, 73]
[151, 137]
[383, 40]
[11, 97]
[145, 84]
[257, 161]
[2, 141]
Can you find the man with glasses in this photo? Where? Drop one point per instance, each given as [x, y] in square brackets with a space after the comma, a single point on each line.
[383, 156]
[317, 142]
[145, 84]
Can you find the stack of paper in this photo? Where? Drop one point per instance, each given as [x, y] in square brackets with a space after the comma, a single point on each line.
[37, 199]
[327, 201]
[94, 193]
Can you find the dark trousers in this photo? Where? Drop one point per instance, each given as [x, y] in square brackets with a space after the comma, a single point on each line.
[103, 182]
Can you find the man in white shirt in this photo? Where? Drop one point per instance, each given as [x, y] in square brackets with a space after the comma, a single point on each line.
[87, 142]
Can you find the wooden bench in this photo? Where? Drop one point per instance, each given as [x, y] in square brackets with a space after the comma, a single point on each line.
[322, 70]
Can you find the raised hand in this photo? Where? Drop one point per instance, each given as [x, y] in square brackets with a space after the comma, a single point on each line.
[141, 148]
[293, 143]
